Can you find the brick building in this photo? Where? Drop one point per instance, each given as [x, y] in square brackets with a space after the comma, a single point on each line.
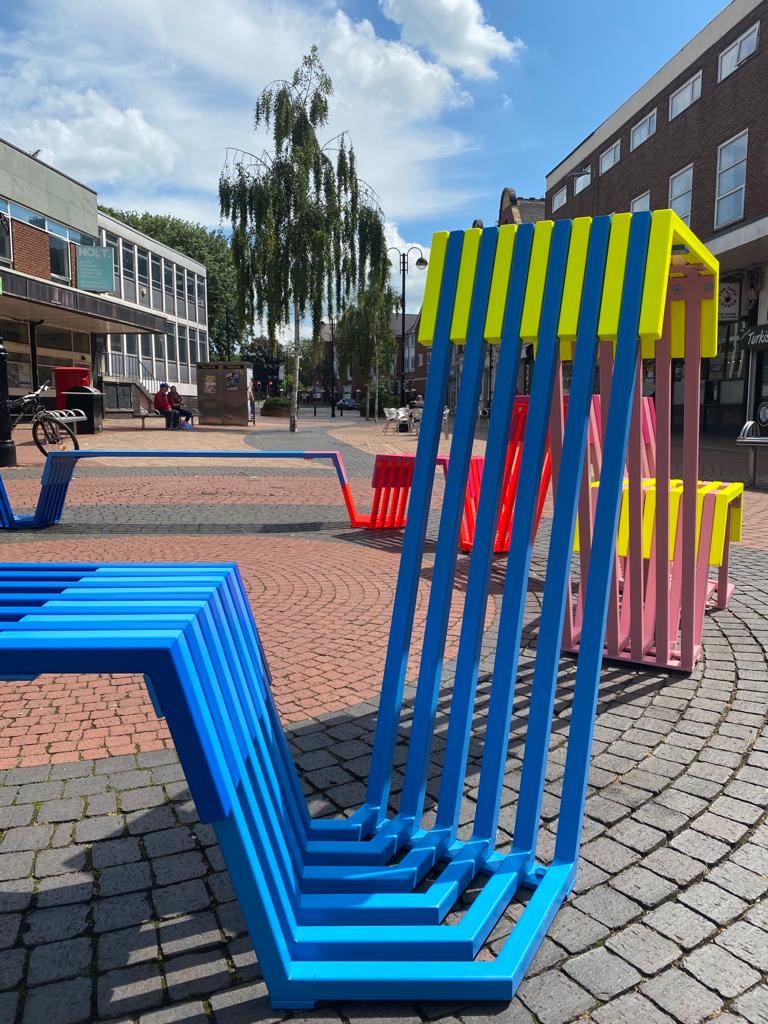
[693, 138]
[143, 320]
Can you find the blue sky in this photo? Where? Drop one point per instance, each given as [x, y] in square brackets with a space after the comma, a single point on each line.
[447, 101]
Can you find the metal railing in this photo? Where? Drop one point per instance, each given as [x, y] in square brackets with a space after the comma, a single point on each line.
[125, 367]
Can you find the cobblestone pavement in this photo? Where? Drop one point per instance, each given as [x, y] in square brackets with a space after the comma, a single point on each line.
[115, 903]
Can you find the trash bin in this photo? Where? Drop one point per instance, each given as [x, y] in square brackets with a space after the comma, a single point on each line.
[67, 378]
[91, 402]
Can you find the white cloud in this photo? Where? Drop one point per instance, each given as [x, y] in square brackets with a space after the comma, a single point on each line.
[140, 99]
[415, 279]
[454, 31]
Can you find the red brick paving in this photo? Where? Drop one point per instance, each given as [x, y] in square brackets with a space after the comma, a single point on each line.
[322, 608]
[207, 489]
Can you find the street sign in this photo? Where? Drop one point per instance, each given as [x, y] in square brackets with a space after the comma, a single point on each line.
[95, 268]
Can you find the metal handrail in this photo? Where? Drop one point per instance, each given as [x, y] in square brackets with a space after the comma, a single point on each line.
[749, 431]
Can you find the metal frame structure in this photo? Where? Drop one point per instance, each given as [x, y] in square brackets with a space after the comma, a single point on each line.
[369, 907]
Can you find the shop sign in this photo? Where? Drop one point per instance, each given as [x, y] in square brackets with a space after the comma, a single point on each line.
[729, 305]
[95, 268]
[756, 338]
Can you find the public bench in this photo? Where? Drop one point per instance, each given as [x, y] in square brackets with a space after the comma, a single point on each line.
[153, 414]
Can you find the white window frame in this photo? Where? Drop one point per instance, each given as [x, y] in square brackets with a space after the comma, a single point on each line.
[582, 181]
[560, 198]
[4, 209]
[689, 191]
[637, 200]
[693, 86]
[742, 188]
[615, 152]
[736, 45]
[649, 118]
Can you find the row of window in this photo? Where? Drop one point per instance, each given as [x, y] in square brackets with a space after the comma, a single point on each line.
[153, 281]
[729, 189]
[730, 59]
[171, 357]
[59, 237]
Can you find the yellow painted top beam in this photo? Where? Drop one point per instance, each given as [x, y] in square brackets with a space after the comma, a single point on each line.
[573, 286]
[432, 288]
[613, 281]
[537, 278]
[502, 269]
[465, 285]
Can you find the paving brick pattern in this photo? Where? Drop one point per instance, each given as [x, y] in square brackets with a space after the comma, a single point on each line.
[114, 900]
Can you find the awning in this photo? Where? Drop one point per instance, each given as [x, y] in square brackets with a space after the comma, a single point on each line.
[28, 298]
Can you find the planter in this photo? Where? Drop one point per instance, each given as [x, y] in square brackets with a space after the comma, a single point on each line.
[281, 413]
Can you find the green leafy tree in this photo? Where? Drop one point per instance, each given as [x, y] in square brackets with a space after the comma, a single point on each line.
[305, 230]
[364, 331]
[213, 250]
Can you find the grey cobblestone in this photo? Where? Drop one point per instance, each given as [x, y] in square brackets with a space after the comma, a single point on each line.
[681, 925]
[602, 973]
[11, 968]
[58, 890]
[196, 974]
[643, 948]
[58, 960]
[65, 1002]
[682, 996]
[554, 998]
[718, 969]
[129, 990]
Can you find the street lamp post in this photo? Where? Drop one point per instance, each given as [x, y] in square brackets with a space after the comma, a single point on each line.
[421, 264]
[332, 324]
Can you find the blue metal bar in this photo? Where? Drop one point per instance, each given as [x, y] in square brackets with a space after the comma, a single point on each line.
[444, 569]
[476, 601]
[601, 558]
[521, 544]
[556, 586]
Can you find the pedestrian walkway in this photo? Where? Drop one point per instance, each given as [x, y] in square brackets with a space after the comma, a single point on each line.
[114, 903]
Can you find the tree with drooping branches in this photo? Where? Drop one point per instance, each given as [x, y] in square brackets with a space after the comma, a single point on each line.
[307, 233]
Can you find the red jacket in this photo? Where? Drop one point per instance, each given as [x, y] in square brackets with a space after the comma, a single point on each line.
[162, 402]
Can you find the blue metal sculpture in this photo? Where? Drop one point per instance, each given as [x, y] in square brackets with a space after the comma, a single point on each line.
[343, 909]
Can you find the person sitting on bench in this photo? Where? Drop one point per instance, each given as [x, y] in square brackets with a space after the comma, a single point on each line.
[177, 404]
[164, 408]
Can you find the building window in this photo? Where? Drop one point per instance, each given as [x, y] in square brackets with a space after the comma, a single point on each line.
[738, 52]
[582, 181]
[610, 157]
[37, 220]
[643, 130]
[559, 198]
[731, 180]
[680, 191]
[640, 204]
[180, 283]
[203, 347]
[183, 355]
[58, 249]
[156, 275]
[6, 254]
[127, 261]
[685, 96]
[112, 242]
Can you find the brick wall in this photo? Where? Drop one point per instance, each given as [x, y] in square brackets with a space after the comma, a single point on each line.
[724, 110]
[30, 250]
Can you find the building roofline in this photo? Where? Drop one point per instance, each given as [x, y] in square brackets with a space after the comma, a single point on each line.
[695, 48]
[50, 167]
[160, 248]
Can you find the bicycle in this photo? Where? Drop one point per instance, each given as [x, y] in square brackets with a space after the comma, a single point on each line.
[49, 430]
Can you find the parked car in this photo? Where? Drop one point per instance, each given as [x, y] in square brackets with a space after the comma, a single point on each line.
[347, 402]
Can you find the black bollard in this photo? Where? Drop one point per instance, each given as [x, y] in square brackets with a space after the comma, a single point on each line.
[7, 447]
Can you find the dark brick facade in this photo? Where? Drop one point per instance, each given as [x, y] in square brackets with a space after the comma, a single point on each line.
[31, 254]
[30, 250]
[723, 110]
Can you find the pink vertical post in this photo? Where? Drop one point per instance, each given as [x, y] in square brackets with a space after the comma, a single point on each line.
[724, 588]
[663, 470]
[634, 592]
[690, 289]
[702, 562]
[606, 373]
